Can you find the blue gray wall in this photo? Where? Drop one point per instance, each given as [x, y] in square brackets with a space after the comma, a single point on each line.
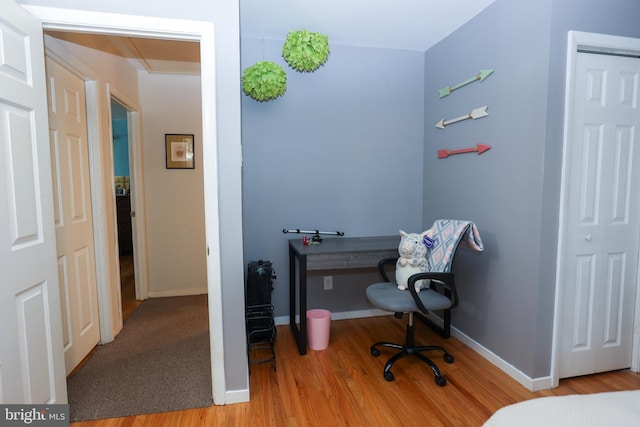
[341, 150]
[511, 191]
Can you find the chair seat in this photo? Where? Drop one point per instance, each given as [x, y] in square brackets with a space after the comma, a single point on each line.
[387, 296]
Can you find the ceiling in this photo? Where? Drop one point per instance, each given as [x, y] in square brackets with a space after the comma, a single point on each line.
[151, 55]
[398, 24]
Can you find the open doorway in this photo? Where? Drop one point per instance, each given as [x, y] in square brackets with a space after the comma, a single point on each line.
[202, 32]
[201, 134]
[175, 216]
[174, 224]
[124, 212]
[60, 19]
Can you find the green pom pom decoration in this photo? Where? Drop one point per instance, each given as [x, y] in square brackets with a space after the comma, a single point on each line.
[264, 81]
[305, 51]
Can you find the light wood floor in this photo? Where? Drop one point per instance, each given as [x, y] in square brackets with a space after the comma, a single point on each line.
[343, 386]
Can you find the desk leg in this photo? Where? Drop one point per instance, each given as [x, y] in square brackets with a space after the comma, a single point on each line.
[299, 335]
[302, 342]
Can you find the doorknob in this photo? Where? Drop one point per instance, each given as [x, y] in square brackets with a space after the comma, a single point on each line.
[133, 214]
[587, 237]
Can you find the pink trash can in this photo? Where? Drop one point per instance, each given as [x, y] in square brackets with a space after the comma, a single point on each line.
[318, 328]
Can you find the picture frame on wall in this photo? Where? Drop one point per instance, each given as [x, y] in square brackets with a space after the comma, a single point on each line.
[179, 151]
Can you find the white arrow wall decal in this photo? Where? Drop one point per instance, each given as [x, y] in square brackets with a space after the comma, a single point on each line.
[475, 114]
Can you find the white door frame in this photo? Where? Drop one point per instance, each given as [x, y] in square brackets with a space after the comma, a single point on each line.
[603, 43]
[137, 187]
[126, 25]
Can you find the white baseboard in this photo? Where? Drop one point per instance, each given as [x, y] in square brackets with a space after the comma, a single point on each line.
[532, 384]
[343, 315]
[178, 292]
[236, 396]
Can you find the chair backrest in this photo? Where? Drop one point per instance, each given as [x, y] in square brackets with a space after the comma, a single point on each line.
[447, 235]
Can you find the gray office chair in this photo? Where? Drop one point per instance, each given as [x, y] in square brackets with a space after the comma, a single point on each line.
[440, 295]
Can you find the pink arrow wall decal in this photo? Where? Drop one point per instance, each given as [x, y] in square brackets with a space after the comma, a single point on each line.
[479, 148]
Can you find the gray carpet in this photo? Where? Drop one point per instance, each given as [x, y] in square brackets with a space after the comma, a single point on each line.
[159, 362]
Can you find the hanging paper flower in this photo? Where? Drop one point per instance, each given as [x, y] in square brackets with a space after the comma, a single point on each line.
[264, 81]
[305, 51]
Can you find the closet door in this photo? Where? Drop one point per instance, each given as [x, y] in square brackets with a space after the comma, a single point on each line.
[599, 274]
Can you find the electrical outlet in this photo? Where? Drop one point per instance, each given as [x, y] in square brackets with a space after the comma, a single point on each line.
[328, 283]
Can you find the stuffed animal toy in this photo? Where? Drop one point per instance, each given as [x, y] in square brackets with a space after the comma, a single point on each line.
[413, 258]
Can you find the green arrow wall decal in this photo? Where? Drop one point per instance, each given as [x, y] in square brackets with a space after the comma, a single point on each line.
[482, 74]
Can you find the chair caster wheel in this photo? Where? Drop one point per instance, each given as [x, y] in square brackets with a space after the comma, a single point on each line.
[441, 381]
[388, 375]
[448, 358]
[375, 352]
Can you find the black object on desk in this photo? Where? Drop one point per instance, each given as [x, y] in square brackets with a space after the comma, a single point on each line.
[331, 254]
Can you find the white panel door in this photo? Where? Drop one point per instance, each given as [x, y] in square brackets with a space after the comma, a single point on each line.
[602, 221]
[31, 355]
[72, 211]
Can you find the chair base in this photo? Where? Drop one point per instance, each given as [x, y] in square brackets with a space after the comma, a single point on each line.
[410, 349]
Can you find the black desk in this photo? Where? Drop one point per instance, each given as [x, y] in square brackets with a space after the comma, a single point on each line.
[331, 254]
